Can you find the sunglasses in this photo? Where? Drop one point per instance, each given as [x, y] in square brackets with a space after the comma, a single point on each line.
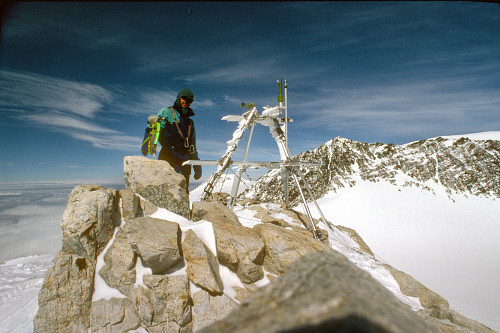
[187, 99]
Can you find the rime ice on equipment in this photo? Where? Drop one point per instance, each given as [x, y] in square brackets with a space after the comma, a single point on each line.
[289, 165]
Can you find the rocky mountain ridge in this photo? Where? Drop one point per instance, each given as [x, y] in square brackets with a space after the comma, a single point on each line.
[141, 260]
[468, 167]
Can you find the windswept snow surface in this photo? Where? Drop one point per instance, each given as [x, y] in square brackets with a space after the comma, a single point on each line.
[450, 244]
[491, 135]
[20, 282]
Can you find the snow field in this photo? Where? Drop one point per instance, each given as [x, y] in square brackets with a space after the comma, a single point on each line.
[447, 242]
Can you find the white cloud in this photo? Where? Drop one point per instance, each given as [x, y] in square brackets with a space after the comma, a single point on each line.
[66, 123]
[62, 106]
[111, 142]
[29, 90]
[389, 107]
[240, 72]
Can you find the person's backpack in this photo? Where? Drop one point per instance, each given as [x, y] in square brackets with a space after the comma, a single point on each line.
[150, 142]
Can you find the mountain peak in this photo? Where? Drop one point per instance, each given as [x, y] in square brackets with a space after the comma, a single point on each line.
[454, 165]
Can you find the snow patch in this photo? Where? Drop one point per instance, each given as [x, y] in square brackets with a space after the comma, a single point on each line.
[140, 272]
[101, 288]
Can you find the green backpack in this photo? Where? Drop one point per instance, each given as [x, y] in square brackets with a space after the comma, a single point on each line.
[151, 136]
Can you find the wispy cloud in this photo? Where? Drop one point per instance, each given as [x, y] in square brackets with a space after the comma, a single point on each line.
[27, 90]
[62, 106]
[244, 71]
[416, 107]
[66, 123]
[111, 142]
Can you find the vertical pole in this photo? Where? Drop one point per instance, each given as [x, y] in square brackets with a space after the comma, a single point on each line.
[286, 117]
[280, 94]
[286, 173]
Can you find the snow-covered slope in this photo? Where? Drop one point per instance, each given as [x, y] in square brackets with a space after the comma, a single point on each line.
[451, 246]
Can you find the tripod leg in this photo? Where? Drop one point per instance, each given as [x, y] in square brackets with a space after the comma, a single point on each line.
[325, 221]
[284, 176]
[306, 207]
[232, 145]
[235, 187]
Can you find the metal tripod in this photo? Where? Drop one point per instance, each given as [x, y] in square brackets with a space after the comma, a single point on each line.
[270, 117]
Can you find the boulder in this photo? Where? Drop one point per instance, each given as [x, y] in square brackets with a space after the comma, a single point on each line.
[164, 304]
[157, 181]
[446, 327]
[411, 287]
[147, 207]
[158, 242]
[283, 246]
[443, 312]
[202, 266]
[65, 298]
[208, 309]
[89, 221]
[240, 249]
[214, 212]
[353, 234]
[119, 269]
[321, 292]
[284, 217]
[131, 205]
[114, 315]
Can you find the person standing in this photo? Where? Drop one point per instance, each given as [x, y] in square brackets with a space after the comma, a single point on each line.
[178, 135]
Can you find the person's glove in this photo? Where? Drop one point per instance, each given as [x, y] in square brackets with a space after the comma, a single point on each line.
[153, 119]
[197, 171]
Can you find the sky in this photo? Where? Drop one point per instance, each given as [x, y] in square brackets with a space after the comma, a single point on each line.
[78, 79]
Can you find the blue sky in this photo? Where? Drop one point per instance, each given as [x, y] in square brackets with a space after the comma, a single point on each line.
[79, 79]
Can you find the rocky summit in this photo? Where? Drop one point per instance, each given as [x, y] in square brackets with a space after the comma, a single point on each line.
[144, 259]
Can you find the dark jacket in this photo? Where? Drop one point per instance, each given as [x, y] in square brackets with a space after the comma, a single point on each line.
[175, 149]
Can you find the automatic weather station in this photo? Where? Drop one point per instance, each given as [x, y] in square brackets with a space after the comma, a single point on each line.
[273, 118]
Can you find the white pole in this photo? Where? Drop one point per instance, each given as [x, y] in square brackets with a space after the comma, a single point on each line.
[285, 178]
[286, 117]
